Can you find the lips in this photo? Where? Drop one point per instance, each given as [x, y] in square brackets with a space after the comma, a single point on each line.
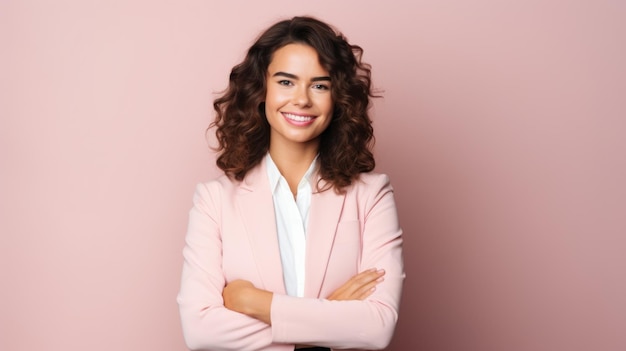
[298, 119]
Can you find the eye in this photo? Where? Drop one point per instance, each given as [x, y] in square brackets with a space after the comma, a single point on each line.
[321, 86]
[285, 82]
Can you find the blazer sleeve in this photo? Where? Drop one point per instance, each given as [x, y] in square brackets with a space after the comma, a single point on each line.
[206, 323]
[367, 324]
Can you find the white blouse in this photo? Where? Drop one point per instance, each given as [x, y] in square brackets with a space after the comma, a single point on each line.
[291, 222]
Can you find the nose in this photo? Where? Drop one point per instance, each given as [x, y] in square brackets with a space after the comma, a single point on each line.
[301, 97]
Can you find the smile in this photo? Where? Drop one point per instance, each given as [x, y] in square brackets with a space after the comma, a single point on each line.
[298, 119]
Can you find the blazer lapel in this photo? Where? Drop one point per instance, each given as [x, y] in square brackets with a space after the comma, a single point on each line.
[257, 212]
[324, 216]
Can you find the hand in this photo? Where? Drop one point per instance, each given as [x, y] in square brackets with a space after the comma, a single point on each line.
[360, 286]
[243, 297]
[234, 295]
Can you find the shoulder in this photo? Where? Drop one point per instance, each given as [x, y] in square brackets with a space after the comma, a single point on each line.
[215, 189]
[370, 187]
[371, 192]
[372, 178]
[371, 182]
[225, 186]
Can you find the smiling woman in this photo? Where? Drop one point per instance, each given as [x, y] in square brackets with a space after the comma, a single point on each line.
[298, 244]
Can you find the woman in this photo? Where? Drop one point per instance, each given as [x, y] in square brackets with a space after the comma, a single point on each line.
[297, 245]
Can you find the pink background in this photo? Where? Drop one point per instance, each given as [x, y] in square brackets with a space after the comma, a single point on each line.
[502, 128]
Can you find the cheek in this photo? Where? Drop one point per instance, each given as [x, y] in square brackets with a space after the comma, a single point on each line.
[324, 103]
[275, 98]
[268, 95]
[329, 106]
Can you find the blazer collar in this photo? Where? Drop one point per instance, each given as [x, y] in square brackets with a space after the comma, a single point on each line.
[256, 206]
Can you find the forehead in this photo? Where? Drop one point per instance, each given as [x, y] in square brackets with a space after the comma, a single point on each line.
[296, 58]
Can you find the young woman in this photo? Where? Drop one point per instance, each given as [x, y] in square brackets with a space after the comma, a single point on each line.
[298, 244]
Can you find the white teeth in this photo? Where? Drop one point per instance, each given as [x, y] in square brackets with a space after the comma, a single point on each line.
[298, 118]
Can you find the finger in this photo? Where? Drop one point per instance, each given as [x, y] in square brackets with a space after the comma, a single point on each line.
[367, 290]
[369, 285]
[357, 291]
[365, 294]
[363, 277]
[357, 287]
[368, 276]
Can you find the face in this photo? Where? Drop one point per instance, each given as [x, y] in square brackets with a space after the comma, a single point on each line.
[298, 102]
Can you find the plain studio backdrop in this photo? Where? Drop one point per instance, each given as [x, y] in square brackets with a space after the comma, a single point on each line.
[502, 128]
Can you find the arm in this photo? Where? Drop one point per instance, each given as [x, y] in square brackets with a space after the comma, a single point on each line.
[349, 323]
[206, 323]
[243, 297]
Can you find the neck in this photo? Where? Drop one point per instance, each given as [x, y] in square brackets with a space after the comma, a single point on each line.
[293, 161]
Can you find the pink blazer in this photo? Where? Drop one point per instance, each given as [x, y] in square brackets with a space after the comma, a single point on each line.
[232, 235]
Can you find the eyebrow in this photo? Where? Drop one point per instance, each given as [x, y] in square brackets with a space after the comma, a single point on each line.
[293, 76]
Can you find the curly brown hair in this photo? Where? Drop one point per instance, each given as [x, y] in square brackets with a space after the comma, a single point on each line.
[242, 129]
